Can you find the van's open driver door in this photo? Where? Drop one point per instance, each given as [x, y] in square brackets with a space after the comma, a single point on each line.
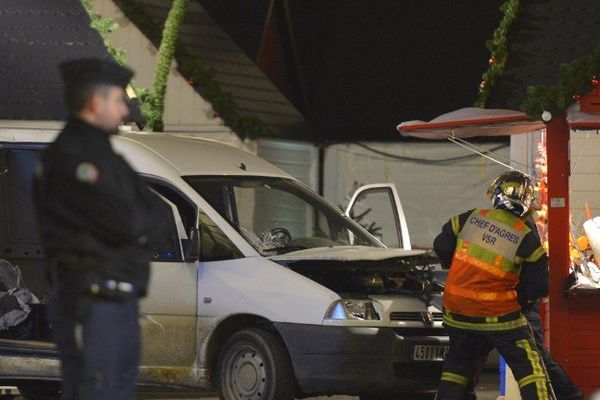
[378, 209]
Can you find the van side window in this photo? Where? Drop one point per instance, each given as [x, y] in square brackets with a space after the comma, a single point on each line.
[214, 243]
[182, 219]
[187, 211]
[20, 243]
[169, 247]
[19, 220]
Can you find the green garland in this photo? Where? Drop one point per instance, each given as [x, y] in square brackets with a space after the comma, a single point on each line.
[498, 47]
[166, 52]
[574, 80]
[104, 26]
[198, 75]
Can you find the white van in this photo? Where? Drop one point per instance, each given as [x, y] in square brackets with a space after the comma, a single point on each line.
[263, 290]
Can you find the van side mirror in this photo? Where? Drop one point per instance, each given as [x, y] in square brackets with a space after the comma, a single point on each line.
[191, 246]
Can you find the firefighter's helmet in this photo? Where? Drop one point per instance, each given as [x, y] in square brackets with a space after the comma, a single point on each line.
[512, 191]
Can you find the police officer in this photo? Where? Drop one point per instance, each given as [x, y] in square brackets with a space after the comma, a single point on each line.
[489, 252]
[98, 223]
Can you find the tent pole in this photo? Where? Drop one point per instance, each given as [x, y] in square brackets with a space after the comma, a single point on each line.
[558, 133]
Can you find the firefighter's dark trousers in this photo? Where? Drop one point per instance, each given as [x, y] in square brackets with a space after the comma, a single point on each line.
[563, 386]
[515, 345]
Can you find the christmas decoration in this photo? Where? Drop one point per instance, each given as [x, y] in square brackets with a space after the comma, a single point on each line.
[541, 189]
[575, 77]
[104, 26]
[204, 80]
[166, 53]
[498, 47]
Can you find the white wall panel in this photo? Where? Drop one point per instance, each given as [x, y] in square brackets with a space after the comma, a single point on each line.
[296, 158]
[584, 183]
[430, 192]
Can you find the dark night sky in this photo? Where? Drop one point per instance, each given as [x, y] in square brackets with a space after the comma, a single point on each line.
[368, 65]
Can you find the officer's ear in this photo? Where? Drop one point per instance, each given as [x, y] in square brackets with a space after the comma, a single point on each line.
[93, 104]
[96, 98]
[80, 98]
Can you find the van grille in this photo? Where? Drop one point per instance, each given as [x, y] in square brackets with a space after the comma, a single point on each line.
[420, 332]
[413, 316]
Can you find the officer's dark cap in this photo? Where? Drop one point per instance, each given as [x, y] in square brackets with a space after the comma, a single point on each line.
[90, 71]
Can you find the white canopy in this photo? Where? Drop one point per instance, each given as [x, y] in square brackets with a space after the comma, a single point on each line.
[470, 122]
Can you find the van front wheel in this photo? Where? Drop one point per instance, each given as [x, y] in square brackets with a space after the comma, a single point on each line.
[254, 365]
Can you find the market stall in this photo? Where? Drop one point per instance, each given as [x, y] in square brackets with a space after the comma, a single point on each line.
[572, 311]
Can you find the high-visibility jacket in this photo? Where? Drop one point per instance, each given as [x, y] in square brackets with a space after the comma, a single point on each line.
[485, 266]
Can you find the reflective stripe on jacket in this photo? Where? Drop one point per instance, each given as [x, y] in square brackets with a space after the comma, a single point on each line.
[485, 266]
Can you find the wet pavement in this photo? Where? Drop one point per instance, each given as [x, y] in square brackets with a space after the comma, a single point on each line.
[488, 390]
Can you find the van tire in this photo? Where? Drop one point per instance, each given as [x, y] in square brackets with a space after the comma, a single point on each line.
[254, 365]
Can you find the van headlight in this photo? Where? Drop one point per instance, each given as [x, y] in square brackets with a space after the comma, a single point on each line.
[352, 310]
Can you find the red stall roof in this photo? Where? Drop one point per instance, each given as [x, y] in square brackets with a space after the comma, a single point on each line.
[580, 120]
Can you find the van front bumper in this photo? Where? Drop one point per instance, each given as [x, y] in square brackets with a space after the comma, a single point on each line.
[359, 360]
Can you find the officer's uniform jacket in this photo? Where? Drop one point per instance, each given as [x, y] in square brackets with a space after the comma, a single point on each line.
[98, 219]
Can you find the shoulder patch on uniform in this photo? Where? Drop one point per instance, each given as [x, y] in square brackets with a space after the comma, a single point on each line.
[87, 172]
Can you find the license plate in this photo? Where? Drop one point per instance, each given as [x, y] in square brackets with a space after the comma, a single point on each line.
[430, 352]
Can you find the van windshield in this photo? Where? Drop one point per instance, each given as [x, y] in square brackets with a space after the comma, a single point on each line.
[277, 215]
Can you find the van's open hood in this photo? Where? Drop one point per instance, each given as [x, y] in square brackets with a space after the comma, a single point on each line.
[347, 253]
[353, 271]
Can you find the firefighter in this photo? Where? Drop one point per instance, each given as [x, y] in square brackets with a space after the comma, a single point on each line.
[562, 384]
[490, 252]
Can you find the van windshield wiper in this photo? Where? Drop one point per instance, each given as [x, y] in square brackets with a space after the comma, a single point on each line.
[285, 249]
